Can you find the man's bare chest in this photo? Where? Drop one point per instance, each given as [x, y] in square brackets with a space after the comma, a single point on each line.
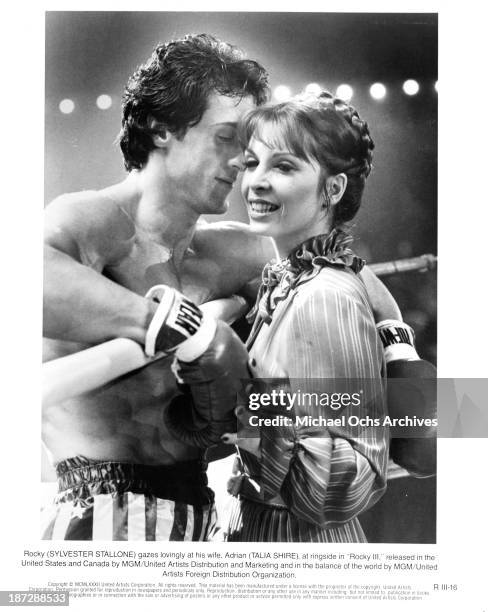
[148, 264]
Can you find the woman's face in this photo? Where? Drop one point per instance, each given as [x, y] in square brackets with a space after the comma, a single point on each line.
[281, 192]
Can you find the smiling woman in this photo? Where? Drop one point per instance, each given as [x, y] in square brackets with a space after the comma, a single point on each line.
[302, 158]
[306, 162]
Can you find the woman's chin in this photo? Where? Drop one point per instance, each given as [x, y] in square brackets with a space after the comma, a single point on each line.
[262, 226]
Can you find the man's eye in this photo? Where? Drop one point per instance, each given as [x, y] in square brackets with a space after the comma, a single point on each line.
[226, 137]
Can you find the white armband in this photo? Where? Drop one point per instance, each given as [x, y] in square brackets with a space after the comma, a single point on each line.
[398, 340]
[196, 345]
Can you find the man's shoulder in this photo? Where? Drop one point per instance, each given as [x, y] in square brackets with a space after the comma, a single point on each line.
[88, 207]
[91, 220]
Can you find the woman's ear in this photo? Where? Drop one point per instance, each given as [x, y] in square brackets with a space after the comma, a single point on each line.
[161, 135]
[336, 186]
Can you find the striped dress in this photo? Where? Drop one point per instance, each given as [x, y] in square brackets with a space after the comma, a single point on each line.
[311, 482]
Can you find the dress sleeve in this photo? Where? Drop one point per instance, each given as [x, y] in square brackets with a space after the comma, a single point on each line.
[329, 474]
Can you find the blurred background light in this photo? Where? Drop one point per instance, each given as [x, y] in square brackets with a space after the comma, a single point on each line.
[377, 91]
[66, 106]
[436, 86]
[282, 93]
[104, 102]
[411, 87]
[313, 88]
[345, 92]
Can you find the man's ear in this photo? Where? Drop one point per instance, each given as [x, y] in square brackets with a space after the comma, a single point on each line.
[161, 135]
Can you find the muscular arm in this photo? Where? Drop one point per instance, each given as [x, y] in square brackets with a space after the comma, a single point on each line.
[243, 255]
[80, 304]
[239, 254]
[382, 302]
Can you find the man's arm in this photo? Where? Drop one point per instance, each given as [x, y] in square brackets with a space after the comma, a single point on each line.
[382, 302]
[239, 253]
[80, 304]
[245, 253]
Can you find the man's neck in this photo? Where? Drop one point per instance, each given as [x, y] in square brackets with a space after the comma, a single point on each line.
[165, 222]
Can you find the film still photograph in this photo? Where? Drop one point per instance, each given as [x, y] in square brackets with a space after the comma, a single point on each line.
[240, 277]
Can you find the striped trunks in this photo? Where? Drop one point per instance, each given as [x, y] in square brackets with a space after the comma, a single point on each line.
[105, 500]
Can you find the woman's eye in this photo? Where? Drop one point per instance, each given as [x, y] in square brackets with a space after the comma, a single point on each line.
[285, 167]
[250, 163]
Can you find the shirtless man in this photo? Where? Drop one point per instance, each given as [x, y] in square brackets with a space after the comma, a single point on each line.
[123, 474]
[105, 250]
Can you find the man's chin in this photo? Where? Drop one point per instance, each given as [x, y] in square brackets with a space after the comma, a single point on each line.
[218, 208]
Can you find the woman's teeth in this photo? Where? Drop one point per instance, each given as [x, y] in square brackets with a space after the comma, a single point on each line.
[263, 207]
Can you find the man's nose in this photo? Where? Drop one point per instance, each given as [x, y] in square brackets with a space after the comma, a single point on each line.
[237, 162]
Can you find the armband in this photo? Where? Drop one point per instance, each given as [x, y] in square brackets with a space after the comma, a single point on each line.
[398, 340]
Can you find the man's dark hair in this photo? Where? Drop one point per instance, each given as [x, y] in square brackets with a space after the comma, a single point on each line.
[173, 86]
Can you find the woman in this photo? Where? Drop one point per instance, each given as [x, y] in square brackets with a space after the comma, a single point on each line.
[306, 162]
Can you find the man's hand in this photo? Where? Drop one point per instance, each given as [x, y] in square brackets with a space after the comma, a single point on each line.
[178, 325]
[415, 394]
[214, 380]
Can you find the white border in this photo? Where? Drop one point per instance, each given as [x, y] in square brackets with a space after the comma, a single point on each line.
[463, 333]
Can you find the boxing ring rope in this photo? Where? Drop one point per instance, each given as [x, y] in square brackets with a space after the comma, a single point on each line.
[422, 263]
[94, 367]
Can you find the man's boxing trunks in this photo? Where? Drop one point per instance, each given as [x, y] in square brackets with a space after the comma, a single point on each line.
[106, 500]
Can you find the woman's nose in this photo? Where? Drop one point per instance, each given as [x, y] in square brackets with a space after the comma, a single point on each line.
[258, 179]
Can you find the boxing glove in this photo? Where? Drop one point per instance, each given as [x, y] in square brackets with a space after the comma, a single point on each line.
[178, 325]
[415, 395]
[213, 381]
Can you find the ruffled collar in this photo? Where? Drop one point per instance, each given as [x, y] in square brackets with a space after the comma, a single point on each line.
[301, 265]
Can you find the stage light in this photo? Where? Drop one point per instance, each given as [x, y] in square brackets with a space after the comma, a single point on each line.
[411, 87]
[377, 91]
[282, 93]
[313, 88]
[104, 102]
[435, 86]
[344, 92]
[66, 106]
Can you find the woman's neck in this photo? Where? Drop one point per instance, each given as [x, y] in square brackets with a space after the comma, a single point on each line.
[284, 245]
